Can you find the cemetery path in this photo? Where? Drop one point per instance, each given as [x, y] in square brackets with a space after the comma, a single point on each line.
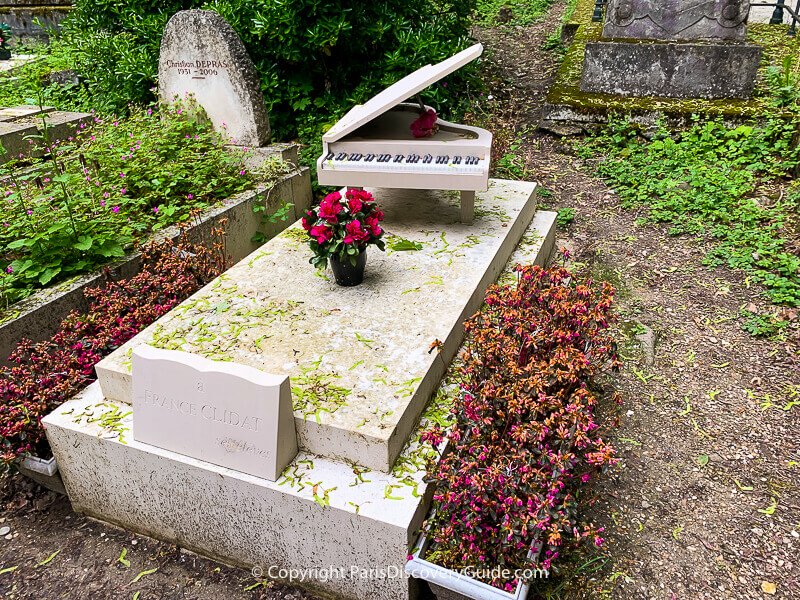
[706, 500]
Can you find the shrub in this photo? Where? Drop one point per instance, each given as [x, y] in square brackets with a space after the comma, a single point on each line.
[43, 375]
[316, 58]
[94, 196]
[524, 432]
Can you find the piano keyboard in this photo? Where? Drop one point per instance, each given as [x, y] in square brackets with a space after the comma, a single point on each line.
[402, 163]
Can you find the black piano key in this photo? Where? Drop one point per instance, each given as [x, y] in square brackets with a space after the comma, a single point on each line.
[353, 156]
[329, 156]
[456, 160]
[428, 159]
[398, 158]
[369, 157]
[410, 159]
[341, 156]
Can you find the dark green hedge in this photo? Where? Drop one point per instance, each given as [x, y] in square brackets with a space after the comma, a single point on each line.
[316, 58]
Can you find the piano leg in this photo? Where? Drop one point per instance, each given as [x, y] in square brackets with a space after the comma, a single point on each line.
[467, 207]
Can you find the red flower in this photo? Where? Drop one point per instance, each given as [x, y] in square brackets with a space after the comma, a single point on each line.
[425, 126]
[372, 224]
[330, 207]
[355, 204]
[322, 233]
[355, 233]
[308, 220]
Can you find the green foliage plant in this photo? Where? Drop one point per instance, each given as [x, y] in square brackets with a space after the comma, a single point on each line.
[710, 181]
[114, 183]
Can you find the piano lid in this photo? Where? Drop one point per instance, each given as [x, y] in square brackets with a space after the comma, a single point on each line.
[409, 86]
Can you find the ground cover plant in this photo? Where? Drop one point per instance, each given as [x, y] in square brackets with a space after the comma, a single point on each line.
[513, 12]
[726, 183]
[114, 183]
[524, 434]
[43, 375]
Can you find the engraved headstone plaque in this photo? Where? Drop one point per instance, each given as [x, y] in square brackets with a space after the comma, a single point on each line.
[202, 56]
[230, 415]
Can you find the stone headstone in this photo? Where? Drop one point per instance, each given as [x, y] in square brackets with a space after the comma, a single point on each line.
[673, 49]
[230, 415]
[676, 19]
[202, 56]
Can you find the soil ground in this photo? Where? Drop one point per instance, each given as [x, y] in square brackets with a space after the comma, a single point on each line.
[705, 503]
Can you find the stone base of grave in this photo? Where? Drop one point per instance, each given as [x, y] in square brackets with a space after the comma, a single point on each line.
[319, 520]
[671, 70]
[344, 530]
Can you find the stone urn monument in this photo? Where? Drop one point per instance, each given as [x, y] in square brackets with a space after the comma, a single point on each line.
[673, 48]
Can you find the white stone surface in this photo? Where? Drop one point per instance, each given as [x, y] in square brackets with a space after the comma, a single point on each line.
[321, 516]
[359, 359]
[202, 57]
[223, 413]
[321, 513]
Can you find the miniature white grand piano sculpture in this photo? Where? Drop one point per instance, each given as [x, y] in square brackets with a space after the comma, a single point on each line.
[372, 145]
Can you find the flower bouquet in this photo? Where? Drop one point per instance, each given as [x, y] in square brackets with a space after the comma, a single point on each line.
[5, 35]
[340, 230]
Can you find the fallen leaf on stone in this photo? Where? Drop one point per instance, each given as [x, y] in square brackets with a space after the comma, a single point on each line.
[769, 588]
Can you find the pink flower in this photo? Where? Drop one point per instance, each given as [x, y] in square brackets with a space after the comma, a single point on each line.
[308, 220]
[189, 196]
[322, 233]
[9, 269]
[115, 209]
[106, 194]
[330, 207]
[425, 126]
[374, 228]
[123, 191]
[355, 205]
[122, 175]
[155, 210]
[355, 233]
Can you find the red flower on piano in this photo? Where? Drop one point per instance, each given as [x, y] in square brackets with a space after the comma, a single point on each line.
[425, 126]
[330, 207]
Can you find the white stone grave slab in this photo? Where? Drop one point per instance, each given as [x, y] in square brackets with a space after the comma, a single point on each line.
[364, 360]
[349, 528]
[230, 415]
[202, 57]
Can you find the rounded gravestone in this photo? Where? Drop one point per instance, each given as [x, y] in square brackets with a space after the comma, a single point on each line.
[202, 56]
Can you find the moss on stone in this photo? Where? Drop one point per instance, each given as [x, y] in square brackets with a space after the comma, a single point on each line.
[566, 91]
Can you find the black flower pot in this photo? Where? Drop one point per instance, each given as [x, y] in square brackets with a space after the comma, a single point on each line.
[345, 273]
[5, 54]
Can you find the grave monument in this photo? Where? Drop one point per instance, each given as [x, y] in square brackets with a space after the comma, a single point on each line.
[201, 56]
[673, 48]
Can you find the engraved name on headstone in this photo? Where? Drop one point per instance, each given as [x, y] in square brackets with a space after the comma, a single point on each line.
[223, 413]
[676, 20]
[202, 56]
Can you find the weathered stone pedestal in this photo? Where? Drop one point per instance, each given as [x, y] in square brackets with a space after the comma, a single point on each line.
[671, 70]
[673, 49]
[363, 363]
